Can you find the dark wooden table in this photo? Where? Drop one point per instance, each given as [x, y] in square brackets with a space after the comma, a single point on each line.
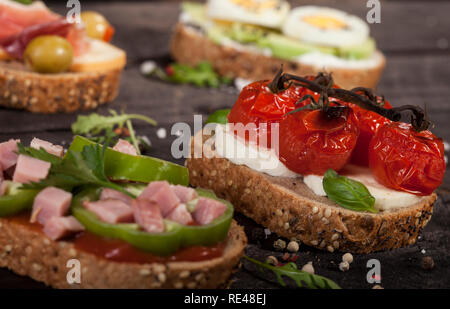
[414, 35]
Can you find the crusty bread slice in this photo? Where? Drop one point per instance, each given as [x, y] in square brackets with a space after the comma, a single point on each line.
[94, 80]
[28, 252]
[190, 46]
[289, 208]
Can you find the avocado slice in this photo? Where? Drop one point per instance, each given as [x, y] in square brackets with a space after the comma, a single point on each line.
[287, 48]
[362, 51]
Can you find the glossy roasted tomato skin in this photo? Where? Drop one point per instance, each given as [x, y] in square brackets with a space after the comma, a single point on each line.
[257, 105]
[406, 160]
[311, 143]
[369, 122]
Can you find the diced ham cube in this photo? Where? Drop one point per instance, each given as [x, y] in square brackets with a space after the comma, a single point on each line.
[60, 227]
[8, 153]
[162, 194]
[207, 210]
[185, 194]
[125, 147]
[49, 147]
[148, 215]
[111, 194]
[181, 215]
[111, 211]
[30, 169]
[50, 202]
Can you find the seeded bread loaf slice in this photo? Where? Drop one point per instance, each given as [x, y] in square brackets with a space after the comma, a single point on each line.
[28, 252]
[289, 208]
[190, 46]
[52, 93]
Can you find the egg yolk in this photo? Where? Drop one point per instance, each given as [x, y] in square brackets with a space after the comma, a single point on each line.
[325, 22]
[255, 4]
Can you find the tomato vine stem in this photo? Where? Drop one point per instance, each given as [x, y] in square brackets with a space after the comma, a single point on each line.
[363, 97]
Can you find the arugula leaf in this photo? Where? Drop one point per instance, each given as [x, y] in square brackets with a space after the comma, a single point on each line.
[77, 169]
[301, 278]
[348, 193]
[202, 75]
[95, 124]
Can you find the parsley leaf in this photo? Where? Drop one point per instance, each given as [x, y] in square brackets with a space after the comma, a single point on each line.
[77, 169]
[301, 278]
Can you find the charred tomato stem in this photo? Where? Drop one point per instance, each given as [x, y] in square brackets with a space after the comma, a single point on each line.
[363, 97]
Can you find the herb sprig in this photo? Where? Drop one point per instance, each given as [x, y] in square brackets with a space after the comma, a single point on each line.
[348, 193]
[301, 278]
[100, 128]
[75, 169]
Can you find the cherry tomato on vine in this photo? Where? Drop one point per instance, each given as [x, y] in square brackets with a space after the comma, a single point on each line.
[258, 105]
[404, 159]
[369, 123]
[312, 142]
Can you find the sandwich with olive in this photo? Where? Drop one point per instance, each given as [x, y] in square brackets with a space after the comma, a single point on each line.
[252, 38]
[49, 64]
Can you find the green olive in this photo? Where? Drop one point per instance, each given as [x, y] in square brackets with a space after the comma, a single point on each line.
[96, 25]
[49, 54]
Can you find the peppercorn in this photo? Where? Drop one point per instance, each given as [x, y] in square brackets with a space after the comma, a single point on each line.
[308, 267]
[279, 244]
[348, 257]
[344, 266]
[293, 246]
[428, 263]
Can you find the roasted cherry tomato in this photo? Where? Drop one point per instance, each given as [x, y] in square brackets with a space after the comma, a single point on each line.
[369, 123]
[312, 142]
[404, 159]
[258, 105]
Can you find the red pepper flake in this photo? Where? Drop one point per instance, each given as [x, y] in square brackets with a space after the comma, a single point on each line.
[293, 258]
[285, 256]
[169, 70]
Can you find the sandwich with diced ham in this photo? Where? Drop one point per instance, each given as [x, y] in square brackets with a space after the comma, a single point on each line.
[148, 230]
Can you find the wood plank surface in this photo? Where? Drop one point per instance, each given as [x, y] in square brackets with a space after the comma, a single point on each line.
[412, 34]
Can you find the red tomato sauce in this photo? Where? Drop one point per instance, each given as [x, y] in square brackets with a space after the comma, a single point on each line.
[120, 251]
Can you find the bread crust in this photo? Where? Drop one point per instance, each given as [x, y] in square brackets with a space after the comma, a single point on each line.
[55, 93]
[28, 252]
[287, 207]
[190, 47]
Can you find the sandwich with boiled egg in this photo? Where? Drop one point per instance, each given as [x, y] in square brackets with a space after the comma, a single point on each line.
[49, 64]
[252, 38]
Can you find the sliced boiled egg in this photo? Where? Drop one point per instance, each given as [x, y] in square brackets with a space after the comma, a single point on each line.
[267, 13]
[325, 26]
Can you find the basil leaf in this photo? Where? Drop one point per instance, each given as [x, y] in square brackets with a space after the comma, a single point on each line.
[348, 193]
[219, 116]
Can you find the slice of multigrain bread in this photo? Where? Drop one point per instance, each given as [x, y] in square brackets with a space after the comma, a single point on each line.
[190, 46]
[52, 93]
[28, 252]
[289, 208]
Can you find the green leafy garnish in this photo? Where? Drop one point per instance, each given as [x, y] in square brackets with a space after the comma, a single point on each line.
[99, 128]
[219, 116]
[301, 278]
[348, 193]
[24, 1]
[40, 154]
[202, 75]
[76, 169]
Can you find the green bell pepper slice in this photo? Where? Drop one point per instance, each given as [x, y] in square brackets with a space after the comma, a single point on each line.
[121, 166]
[175, 237]
[16, 201]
